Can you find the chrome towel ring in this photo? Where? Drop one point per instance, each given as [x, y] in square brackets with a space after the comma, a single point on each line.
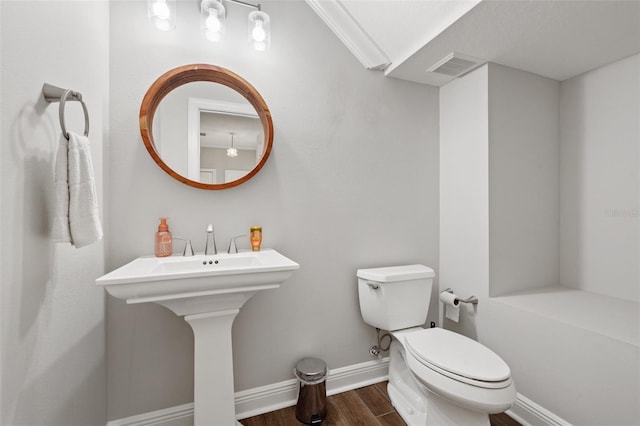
[56, 94]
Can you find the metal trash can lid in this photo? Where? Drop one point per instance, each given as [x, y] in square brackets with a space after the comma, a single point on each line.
[311, 370]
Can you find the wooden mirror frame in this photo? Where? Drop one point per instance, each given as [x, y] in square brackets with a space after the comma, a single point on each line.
[202, 72]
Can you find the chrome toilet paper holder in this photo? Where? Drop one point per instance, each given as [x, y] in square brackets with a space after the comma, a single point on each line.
[471, 299]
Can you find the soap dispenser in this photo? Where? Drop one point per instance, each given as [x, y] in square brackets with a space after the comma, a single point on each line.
[164, 242]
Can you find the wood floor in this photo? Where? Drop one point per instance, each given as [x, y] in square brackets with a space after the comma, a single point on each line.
[368, 406]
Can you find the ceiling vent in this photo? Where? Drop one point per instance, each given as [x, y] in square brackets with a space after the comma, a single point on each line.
[456, 64]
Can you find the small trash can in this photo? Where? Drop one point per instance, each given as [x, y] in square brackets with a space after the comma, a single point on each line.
[311, 408]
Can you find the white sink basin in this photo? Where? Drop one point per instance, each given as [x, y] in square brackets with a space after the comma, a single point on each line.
[151, 279]
[208, 292]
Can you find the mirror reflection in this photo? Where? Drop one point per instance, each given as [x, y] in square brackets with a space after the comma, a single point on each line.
[208, 133]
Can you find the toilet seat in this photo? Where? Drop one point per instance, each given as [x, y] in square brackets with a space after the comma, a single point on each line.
[468, 396]
[458, 357]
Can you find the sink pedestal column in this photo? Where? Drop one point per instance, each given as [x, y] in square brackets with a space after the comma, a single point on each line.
[214, 401]
[210, 315]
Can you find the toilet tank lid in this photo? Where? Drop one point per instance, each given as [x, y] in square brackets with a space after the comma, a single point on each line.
[396, 273]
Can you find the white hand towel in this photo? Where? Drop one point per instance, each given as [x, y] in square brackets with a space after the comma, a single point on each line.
[61, 232]
[84, 219]
[76, 204]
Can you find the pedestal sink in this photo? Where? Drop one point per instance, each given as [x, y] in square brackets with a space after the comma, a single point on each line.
[208, 291]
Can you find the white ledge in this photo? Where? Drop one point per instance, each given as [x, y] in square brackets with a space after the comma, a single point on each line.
[609, 316]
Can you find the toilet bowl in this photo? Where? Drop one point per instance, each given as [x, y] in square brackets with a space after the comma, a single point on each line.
[436, 377]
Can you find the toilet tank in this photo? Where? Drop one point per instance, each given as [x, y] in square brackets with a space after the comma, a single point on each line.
[395, 297]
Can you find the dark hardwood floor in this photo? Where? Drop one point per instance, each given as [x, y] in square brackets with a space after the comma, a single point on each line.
[368, 406]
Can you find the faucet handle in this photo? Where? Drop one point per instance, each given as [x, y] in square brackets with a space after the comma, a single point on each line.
[234, 244]
[188, 249]
[213, 240]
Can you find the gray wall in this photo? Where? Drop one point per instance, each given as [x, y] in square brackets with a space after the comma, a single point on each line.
[53, 317]
[524, 181]
[600, 184]
[352, 182]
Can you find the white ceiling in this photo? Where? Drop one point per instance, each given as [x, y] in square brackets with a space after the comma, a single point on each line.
[553, 38]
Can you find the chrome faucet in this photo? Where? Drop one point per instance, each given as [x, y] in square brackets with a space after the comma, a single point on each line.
[210, 235]
[233, 243]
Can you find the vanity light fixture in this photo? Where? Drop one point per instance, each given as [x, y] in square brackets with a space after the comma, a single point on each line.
[212, 22]
[162, 14]
[232, 152]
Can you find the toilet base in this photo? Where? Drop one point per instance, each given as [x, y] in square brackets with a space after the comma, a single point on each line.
[417, 405]
[408, 412]
[403, 391]
[442, 412]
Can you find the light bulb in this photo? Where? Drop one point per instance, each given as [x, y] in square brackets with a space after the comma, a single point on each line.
[212, 22]
[161, 10]
[232, 152]
[162, 24]
[258, 32]
[212, 35]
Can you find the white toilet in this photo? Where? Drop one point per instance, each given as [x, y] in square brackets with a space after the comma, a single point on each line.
[436, 377]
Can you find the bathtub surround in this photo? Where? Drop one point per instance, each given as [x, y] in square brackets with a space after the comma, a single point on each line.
[53, 317]
[512, 212]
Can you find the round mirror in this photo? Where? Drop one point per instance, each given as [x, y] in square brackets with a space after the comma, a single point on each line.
[206, 126]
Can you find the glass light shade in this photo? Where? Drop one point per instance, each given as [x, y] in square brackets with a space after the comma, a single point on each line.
[162, 14]
[212, 19]
[259, 30]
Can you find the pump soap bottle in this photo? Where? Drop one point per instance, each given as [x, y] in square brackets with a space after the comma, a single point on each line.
[256, 237]
[164, 243]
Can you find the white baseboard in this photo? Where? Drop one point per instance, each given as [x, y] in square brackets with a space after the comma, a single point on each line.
[528, 413]
[181, 415]
[263, 399]
[356, 376]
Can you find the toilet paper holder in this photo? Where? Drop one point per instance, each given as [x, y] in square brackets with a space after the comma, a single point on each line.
[472, 299]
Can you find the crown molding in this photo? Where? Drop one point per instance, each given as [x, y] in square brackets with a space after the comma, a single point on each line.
[358, 41]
